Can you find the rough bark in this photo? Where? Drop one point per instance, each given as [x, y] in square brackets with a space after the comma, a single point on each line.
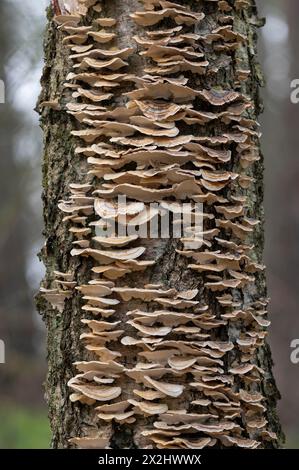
[62, 167]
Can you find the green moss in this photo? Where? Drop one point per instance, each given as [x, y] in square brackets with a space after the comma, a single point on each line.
[23, 428]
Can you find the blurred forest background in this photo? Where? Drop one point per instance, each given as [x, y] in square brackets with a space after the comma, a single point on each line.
[23, 414]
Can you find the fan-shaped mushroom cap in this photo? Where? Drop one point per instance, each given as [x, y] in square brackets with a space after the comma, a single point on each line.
[102, 36]
[90, 442]
[149, 408]
[109, 256]
[172, 390]
[95, 391]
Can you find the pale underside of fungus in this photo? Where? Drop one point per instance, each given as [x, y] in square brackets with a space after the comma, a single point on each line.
[195, 381]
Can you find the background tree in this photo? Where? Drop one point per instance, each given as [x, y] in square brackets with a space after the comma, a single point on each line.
[21, 377]
[12, 274]
[280, 138]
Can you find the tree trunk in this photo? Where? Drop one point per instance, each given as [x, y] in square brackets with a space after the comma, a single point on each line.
[187, 329]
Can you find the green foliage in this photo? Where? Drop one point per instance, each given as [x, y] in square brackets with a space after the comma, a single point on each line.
[24, 428]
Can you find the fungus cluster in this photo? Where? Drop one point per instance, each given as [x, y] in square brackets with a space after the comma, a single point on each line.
[145, 136]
